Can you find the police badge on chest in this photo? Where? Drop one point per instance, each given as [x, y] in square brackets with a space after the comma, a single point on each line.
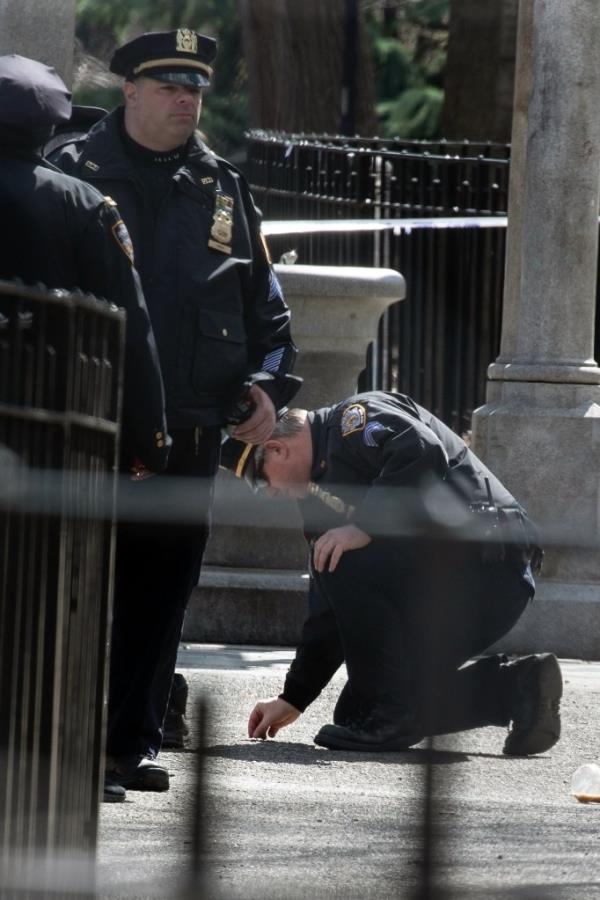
[221, 232]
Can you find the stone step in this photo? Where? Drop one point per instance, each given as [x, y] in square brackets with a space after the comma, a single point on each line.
[268, 606]
[247, 606]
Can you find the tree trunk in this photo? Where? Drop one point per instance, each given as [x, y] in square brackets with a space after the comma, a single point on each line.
[479, 82]
[295, 54]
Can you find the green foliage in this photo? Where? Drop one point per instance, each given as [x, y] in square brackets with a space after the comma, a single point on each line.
[408, 38]
[393, 67]
[415, 114]
[429, 13]
[95, 95]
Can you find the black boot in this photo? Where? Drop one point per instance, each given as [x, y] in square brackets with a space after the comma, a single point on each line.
[383, 729]
[175, 728]
[534, 691]
[346, 707]
[113, 792]
[137, 772]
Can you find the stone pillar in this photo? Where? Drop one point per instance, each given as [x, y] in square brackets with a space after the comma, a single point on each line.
[41, 29]
[540, 427]
[252, 589]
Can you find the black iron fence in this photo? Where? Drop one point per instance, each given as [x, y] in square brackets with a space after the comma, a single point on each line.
[60, 389]
[437, 344]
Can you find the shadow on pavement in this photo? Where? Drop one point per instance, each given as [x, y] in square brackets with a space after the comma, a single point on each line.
[305, 754]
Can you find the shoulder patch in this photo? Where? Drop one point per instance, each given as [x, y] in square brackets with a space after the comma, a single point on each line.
[119, 230]
[354, 418]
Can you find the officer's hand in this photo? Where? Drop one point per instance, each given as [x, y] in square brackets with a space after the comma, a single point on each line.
[268, 716]
[259, 427]
[330, 546]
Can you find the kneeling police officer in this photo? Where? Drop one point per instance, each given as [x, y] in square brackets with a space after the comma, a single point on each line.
[403, 604]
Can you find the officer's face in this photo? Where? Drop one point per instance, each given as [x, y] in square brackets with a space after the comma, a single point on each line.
[285, 471]
[159, 115]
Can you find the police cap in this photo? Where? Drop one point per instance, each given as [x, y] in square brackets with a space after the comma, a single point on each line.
[244, 460]
[31, 94]
[179, 57]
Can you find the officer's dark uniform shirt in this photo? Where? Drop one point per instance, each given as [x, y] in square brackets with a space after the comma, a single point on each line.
[216, 307]
[364, 449]
[64, 234]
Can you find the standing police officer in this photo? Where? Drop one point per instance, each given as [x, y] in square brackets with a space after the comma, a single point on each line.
[65, 234]
[223, 336]
[405, 611]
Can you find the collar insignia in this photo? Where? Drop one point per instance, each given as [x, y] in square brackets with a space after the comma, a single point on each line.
[91, 165]
[186, 41]
[207, 180]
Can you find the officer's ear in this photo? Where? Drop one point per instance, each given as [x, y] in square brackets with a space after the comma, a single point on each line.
[130, 91]
[279, 448]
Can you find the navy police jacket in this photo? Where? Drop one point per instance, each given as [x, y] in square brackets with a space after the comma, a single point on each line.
[65, 234]
[376, 441]
[216, 307]
[364, 449]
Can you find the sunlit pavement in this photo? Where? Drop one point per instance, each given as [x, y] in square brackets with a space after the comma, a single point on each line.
[286, 819]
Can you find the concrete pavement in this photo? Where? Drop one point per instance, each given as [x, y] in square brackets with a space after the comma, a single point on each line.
[286, 819]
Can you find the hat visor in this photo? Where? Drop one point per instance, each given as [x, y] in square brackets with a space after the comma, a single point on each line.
[251, 464]
[253, 476]
[184, 77]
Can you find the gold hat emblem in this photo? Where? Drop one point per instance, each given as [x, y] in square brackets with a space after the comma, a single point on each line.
[187, 41]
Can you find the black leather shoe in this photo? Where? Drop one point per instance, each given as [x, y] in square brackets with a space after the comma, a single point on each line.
[175, 729]
[113, 792]
[138, 772]
[371, 734]
[534, 708]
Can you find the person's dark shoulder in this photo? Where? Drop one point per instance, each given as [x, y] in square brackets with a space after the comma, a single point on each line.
[79, 192]
[68, 149]
[67, 153]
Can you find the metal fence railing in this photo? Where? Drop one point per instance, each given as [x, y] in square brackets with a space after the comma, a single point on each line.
[60, 390]
[437, 344]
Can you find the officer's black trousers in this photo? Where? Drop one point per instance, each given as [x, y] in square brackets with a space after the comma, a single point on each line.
[157, 566]
[410, 614]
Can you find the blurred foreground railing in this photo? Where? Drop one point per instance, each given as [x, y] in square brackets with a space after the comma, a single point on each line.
[60, 390]
[425, 840]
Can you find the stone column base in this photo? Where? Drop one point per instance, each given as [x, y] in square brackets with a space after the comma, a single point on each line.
[563, 618]
[543, 441]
